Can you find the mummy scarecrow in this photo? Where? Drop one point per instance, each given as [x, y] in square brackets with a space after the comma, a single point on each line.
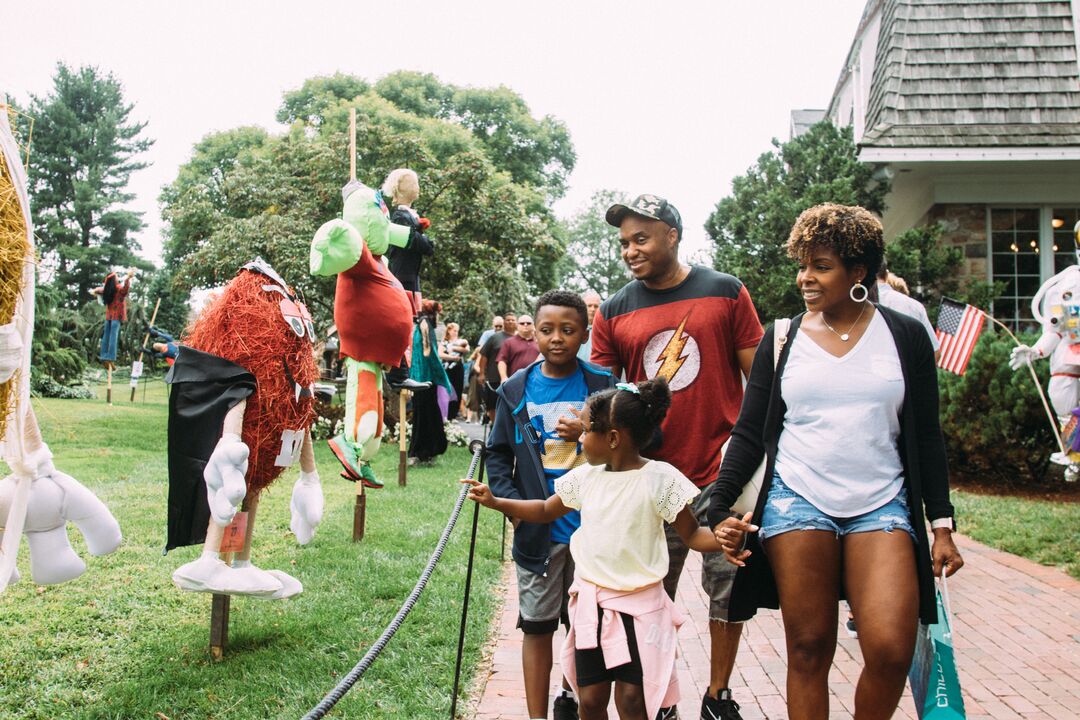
[1056, 307]
[239, 414]
[36, 500]
[373, 316]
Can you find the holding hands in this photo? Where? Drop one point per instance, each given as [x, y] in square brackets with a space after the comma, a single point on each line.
[731, 534]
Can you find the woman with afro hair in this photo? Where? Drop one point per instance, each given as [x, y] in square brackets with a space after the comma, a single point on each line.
[847, 423]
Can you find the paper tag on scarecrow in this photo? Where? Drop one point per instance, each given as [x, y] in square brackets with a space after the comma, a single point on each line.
[136, 372]
[235, 532]
[291, 442]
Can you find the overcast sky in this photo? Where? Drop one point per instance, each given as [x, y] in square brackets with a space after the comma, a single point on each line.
[669, 98]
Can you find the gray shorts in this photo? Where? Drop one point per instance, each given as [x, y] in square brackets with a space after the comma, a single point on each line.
[543, 599]
[717, 574]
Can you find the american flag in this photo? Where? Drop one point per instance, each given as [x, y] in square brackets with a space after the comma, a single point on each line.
[958, 327]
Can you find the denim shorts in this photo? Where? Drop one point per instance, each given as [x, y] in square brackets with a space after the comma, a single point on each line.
[787, 510]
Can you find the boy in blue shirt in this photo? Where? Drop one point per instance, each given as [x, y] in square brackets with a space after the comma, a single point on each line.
[534, 441]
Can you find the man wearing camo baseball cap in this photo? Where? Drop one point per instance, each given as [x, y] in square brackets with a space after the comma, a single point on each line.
[698, 329]
[649, 206]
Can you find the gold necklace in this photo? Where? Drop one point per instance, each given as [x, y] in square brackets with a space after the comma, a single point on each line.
[845, 336]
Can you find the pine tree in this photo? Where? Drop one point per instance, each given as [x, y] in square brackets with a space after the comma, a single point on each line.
[83, 155]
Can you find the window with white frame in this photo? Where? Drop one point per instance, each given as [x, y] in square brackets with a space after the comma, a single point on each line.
[1015, 247]
[1027, 246]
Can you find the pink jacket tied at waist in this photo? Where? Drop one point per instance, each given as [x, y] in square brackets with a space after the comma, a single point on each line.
[656, 624]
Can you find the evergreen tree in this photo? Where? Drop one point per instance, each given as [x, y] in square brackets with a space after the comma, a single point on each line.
[83, 154]
[750, 227]
[593, 255]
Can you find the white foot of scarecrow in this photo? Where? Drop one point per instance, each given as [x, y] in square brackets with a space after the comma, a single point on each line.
[259, 393]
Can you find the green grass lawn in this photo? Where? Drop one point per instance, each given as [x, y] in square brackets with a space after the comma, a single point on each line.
[1041, 530]
[122, 642]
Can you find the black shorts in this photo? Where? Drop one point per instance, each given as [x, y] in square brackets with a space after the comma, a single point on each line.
[490, 396]
[590, 663]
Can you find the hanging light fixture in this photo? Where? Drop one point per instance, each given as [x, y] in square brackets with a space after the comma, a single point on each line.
[1057, 222]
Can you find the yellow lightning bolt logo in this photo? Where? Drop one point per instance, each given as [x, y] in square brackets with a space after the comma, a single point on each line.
[671, 358]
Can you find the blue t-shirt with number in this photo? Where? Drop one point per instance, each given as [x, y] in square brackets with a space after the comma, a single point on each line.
[547, 400]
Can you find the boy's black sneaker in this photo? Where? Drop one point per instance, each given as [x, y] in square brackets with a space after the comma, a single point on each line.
[564, 708]
[852, 631]
[668, 713]
[721, 708]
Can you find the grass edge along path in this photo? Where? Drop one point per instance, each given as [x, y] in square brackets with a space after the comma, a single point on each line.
[122, 642]
[1042, 531]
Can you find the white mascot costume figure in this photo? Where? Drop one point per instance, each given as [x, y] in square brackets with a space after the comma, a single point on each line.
[36, 500]
[1056, 307]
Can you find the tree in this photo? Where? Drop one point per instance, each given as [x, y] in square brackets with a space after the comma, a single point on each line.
[247, 193]
[749, 228]
[536, 152]
[593, 255]
[84, 151]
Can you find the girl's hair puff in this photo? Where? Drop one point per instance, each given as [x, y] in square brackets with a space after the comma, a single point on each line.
[639, 413]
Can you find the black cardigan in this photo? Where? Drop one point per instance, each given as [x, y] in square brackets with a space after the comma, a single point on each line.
[757, 432]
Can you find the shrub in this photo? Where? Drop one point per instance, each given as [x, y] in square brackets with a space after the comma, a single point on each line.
[996, 429]
[44, 386]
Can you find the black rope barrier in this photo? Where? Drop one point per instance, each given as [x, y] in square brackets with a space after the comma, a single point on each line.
[334, 696]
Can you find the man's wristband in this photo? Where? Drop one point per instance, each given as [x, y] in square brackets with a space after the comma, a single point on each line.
[947, 522]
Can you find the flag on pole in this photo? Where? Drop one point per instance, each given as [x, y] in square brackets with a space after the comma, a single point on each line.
[958, 327]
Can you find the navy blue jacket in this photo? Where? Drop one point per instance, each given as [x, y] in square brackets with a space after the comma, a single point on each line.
[513, 460]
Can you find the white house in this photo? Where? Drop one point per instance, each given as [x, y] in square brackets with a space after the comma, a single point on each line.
[972, 109]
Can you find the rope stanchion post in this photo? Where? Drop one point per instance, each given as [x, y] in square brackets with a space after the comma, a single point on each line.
[478, 449]
[108, 384]
[334, 696]
[502, 543]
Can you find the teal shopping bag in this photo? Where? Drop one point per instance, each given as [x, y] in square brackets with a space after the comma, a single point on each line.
[934, 682]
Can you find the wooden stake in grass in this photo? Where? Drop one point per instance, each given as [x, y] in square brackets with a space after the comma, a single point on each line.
[136, 365]
[403, 460]
[359, 512]
[108, 383]
[219, 626]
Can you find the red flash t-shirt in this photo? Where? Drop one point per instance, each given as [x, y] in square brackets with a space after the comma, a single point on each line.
[689, 335]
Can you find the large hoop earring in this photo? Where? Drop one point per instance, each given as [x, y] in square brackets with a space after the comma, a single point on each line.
[858, 286]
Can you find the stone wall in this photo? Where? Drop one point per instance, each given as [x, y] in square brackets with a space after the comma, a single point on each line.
[963, 226]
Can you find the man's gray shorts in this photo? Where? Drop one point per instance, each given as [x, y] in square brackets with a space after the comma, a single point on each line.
[543, 599]
[717, 574]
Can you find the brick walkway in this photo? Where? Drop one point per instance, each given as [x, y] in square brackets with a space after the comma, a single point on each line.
[1017, 642]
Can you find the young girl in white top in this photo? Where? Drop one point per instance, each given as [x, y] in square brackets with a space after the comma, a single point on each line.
[623, 624]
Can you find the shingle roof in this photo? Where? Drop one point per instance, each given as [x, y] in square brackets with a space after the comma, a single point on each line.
[971, 73]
